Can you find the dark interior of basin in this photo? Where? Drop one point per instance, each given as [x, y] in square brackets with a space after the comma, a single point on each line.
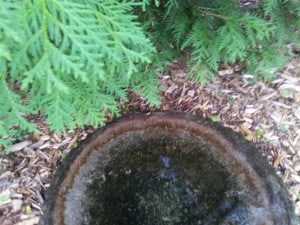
[166, 180]
[169, 174]
[155, 177]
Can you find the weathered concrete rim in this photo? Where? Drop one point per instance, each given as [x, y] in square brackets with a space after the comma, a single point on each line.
[230, 145]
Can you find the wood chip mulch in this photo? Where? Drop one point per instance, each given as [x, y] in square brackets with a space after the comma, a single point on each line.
[266, 113]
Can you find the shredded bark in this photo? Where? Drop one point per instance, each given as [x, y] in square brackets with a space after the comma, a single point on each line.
[266, 113]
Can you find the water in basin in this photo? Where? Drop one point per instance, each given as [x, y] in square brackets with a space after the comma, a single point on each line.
[163, 185]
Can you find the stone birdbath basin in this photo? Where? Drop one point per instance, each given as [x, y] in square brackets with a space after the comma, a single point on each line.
[166, 168]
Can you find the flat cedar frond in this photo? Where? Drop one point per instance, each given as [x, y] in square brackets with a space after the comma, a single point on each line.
[146, 84]
[12, 111]
[179, 23]
[54, 47]
[225, 31]
[270, 6]
[10, 35]
[231, 41]
[58, 110]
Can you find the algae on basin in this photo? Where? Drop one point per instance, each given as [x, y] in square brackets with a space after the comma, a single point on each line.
[160, 184]
[166, 169]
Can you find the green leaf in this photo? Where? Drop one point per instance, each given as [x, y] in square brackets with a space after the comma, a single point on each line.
[215, 118]
[4, 199]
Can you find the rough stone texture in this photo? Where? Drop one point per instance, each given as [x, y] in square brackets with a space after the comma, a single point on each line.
[239, 156]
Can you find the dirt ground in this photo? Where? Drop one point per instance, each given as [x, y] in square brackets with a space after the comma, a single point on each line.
[266, 113]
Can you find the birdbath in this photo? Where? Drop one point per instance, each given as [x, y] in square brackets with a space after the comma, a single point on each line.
[166, 168]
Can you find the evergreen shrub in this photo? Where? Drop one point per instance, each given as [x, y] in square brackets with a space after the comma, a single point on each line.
[252, 32]
[72, 61]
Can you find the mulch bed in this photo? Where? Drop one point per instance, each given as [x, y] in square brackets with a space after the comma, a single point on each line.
[266, 113]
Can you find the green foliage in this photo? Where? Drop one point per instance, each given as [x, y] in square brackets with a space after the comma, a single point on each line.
[214, 32]
[12, 110]
[71, 61]
[215, 118]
